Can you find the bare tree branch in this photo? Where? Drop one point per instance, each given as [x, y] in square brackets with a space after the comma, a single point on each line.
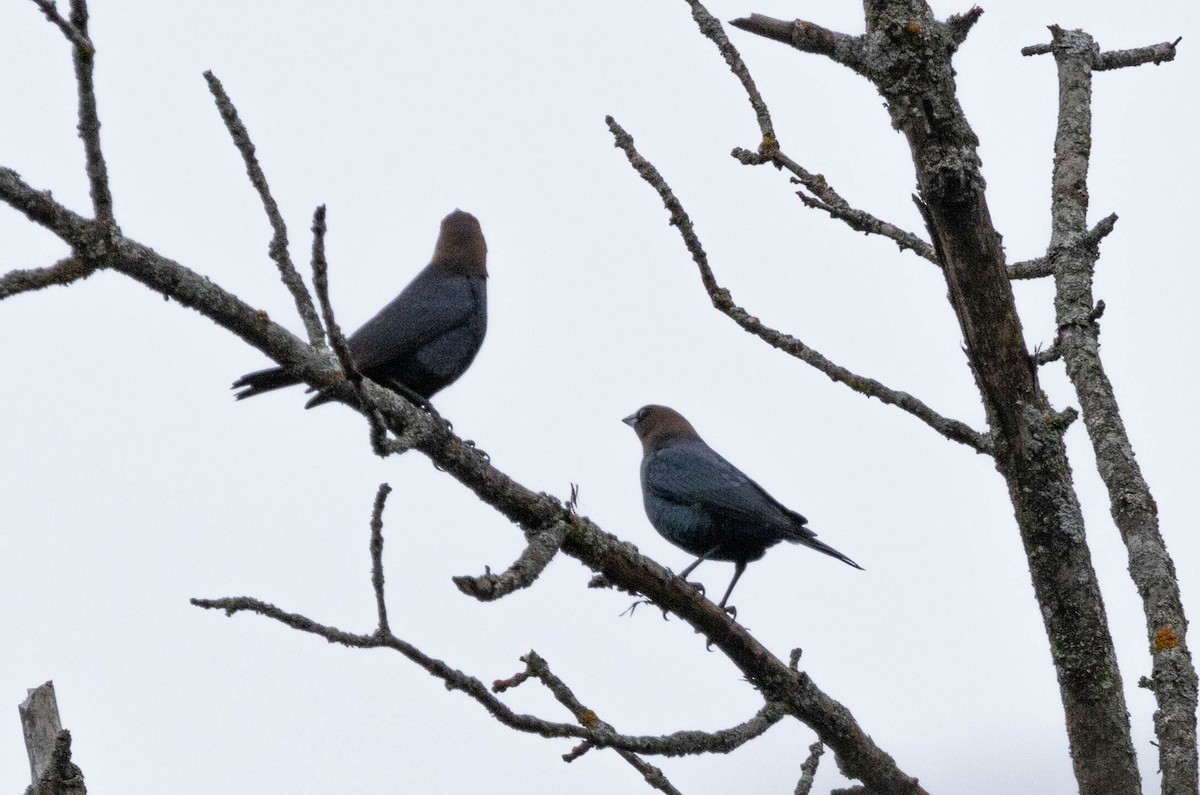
[533, 560]
[538, 668]
[1031, 269]
[769, 149]
[73, 34]
[89, 121]
[808, 770]
[1073, 252]
[593, 731]
[380, 443]
[377, 556]
[723, 301]
[65, 271]
[711, 27]
[279, 242]
[808, 37]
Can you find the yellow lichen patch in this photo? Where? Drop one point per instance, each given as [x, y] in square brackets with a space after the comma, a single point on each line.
[914, 28]
[589, 719]
[1165, 639]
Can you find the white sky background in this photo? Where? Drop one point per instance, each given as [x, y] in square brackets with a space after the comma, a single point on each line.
[130, 481]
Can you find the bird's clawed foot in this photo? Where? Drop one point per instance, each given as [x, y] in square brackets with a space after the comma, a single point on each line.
[629, 610]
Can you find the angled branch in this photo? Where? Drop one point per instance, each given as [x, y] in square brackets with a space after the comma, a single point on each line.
[278, 248]
[537, 667]
[533, 560]
[73, 34]
[721, 299]
[808, 37]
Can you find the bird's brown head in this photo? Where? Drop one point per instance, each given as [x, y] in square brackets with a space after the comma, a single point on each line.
[658, 426]
[460, 247]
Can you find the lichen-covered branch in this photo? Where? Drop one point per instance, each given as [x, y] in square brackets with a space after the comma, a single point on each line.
[808, 770]
[1073, 253]
[533, 560]
[723, 301]
[278, 247]
[65, 271]
[808, 37]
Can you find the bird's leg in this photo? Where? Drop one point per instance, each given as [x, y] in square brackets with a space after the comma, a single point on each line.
[739, 567]
[683, 574]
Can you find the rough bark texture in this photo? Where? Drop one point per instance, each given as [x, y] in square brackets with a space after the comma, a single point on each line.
[907, 54]
[48, 746]
[1073, 253]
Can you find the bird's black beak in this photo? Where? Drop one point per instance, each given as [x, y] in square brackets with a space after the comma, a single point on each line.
[631, 420]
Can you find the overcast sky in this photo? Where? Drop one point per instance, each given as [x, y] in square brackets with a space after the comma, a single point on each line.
[131, 481]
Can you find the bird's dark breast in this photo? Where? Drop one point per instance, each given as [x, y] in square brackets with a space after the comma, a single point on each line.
[696, 530]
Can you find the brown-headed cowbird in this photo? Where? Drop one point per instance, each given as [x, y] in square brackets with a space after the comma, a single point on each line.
[428, 335]
[705, 505]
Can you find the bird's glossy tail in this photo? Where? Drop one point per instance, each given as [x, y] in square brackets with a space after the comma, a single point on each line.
[812, 543]
[252, 384]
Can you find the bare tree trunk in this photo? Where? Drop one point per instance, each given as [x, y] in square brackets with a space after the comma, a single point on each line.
[907, 54]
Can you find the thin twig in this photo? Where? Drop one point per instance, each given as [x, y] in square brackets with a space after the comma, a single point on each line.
[808, 770]
[711, 27]
[377, 556]
[278, 248]
[831, 201]
[89, 121]
[721, 299]
[380, 443]
[536, 666]
[77, 39]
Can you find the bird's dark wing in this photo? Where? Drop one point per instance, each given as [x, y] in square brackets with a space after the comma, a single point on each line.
[432, 305]
[689, 472]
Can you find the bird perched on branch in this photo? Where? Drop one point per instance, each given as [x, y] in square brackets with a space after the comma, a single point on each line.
[428, 335]
[705, 505]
